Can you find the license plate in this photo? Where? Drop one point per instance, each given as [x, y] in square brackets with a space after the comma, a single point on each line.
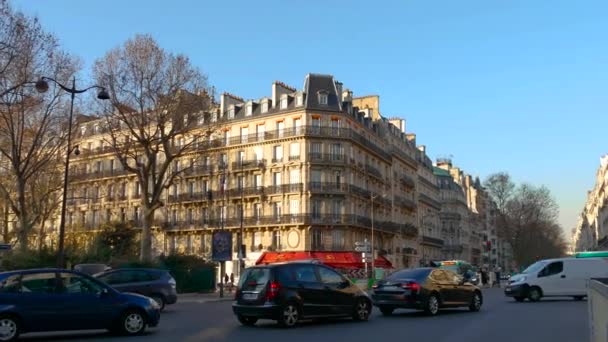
[507, 290]
[250, 296]
[391, 288]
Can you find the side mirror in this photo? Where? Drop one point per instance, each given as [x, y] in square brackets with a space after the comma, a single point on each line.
[104, 292]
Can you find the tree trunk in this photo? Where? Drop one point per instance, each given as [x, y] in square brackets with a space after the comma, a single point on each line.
[41, 238]
[23, 217]
[145, 254]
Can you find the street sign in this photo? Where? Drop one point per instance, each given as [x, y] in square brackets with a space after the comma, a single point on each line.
[362, 243]
[5, 247]
[363, 249]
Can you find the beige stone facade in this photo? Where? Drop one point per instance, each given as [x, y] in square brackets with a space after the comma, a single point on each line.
[591, 231]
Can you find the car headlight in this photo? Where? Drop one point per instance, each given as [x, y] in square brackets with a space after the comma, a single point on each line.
[153, 303]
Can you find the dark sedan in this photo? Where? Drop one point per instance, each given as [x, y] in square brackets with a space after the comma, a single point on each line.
[57, 300]
[156, 284]
[428, 289]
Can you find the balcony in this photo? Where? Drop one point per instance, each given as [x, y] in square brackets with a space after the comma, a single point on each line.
[373, 171]
[86, 152]
[407, 181]
[327, 158]
[328, 187]
[405, 203]
[198, 170]
[82, 176]
[247, 164]
[294, 158]
[453, 248]
[429, 201]
[431, 241]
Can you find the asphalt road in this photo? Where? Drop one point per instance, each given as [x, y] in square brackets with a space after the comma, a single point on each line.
[501, 319]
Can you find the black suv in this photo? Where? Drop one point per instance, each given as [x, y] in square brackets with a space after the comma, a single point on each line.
[156, 284]
[290, 292]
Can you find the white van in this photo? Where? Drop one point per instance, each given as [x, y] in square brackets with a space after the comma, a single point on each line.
[564, 277]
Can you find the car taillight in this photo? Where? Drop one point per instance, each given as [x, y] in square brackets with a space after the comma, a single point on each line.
[414, 287]
[273, 290]
[375, 286]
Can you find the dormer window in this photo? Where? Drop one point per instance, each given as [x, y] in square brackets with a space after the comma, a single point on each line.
[265, 106]
[283, 104]
[249, 109]
[299, 100]
[231, 112]
[323, 98]
[83, 130]
[96, 129]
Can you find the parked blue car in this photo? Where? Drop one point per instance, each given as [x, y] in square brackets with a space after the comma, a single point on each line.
[56, 300]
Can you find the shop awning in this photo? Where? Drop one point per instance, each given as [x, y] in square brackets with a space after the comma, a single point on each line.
[332, 259]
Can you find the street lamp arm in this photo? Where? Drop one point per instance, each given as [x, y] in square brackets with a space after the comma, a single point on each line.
[70, 90]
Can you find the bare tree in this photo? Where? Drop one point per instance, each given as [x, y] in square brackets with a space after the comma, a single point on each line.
[160, 103]
[30, 123]
[527, 218]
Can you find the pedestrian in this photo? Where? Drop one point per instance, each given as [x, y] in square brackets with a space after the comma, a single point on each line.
[497, 272]
[484, 277]
[231, 281]
[226, 280]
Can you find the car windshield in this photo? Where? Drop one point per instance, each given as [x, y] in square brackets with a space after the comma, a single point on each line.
[535, 267]
[415, 274]
[253, 278]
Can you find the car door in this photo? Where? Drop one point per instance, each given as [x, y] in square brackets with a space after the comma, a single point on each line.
[462, 290]
[83, 303]
[446, 289]
[336, 291]
[39, 303]
[310, 290]
[552, 279]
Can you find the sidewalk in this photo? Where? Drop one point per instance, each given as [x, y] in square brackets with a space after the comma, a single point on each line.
[204, 297]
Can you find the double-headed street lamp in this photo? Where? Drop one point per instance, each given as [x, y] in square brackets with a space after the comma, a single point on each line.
[42, 86]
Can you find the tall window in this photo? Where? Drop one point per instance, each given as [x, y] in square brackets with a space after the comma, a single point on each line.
[335, 127]
[95, 218]
[316, 208]
[337, 240]
[226, 137]
[315, 176]
[108, 215]
[316, 125]
[317, 239]
[240, 182]
[297, 126]
[231, 111]
[259, 131]
[276, 178]
[294, 207]
[99, 166]
[257, 181]
[137, 189]
[294, 176]
[174, 216]
[190, 216]
[336, 210]
[259, 153]
[205, 186]
[336, 151]
[136, 214]
[280, 128]
[294, 151]
[277, 210]
[277, 153]
[244, 134]
[276, 239]
[191, 186]
[123, 214]
[316, 150]
[257, 211]
[205, 215]
[338, 179]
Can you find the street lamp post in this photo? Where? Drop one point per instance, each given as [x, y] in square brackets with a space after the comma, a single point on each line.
[42, 86]
[241, 235]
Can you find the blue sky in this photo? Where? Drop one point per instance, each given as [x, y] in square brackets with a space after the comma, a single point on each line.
[519, 85]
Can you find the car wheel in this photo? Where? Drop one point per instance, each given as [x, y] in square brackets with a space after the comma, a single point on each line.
[519, 299]
[290, 315]
[9, 328]
[160, 300]
[534, 294]
[387, 310]
[132, 322]
[362, 310]
[475, 302]
[247, 321]
[578, 298]
[432, 305]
